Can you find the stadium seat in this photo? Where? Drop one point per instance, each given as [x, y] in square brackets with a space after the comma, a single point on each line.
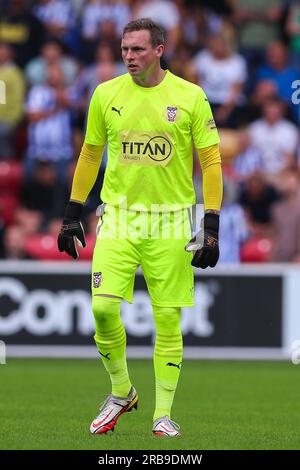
[256, 250]
[8, 205]
[10, 176]
[44, 247]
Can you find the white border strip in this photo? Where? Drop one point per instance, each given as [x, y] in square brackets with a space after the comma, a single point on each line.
[146, 352]
[45, 267]
[84, 267]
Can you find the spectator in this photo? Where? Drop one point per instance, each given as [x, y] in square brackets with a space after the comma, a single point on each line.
[264, 91]
[77, 6]
[193, 28]
[48, 111]
[43, 193]
[21, 29]
[222, 74]
[165, 13]
[104, 68]
[286, 219]
[293, 27]
[257, 197]
[233, 226]
[199, 19]
[28, 221]
[11, 111]
[54, 227]
[181, 64]
[107, 34]
[96, 12]
[249, 159]
[103, 21]
[258, 24]
[275, 137]
[58, 18]
[220, 7]
[51, 53]
[14, 243]
[279, 71]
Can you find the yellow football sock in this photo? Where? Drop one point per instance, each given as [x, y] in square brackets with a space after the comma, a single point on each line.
[110, 339]
[167, 357]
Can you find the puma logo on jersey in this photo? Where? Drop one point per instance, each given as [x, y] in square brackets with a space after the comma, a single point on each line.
[105, 355]
[174, 365]
[117, 110]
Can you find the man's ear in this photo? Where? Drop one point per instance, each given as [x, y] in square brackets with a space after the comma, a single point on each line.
[159, 50]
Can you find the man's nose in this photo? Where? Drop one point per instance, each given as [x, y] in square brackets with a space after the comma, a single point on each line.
[129, 55]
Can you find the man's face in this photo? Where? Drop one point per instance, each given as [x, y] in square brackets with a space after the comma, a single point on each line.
[273, 112]
[276, 55]
[138, 54]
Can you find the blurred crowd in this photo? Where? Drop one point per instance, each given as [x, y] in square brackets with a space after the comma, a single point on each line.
[245, 55]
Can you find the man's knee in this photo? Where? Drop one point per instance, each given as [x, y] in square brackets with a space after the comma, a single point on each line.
[167, 317]
[105, 310]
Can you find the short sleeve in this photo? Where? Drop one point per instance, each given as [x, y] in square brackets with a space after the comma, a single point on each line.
[292, 138]
[95, 129]
[241, 69]
[204, 129]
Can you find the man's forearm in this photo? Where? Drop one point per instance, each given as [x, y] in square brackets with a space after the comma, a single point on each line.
[39, 115]
[86, 172]
[212, 188]
[210, 161]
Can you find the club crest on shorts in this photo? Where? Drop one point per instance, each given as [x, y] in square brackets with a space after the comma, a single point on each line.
[97, 279]
[171, 113]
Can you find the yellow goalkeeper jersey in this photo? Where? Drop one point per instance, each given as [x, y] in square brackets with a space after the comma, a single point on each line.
[150, 134]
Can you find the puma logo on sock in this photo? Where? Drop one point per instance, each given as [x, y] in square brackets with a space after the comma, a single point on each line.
[105, 355]
[174, 365]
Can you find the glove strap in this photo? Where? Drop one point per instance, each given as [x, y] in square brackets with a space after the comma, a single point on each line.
[73, 210]
[211, 223]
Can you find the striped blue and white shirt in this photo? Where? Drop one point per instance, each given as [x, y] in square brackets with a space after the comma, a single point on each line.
[94, 14]
[233, 231]
[49, 138]
[248, 162]
[56, 11]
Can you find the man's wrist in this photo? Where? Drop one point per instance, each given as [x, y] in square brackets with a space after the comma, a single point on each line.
[212, 211]
[211, 222]
[73, 210]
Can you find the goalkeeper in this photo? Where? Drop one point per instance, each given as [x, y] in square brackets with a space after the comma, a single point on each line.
[150, 119]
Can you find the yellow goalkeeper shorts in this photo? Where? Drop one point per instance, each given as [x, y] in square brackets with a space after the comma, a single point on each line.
[154, 241]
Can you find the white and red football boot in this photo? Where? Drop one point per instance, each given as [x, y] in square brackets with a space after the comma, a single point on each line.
[111, 410]
[165, 427]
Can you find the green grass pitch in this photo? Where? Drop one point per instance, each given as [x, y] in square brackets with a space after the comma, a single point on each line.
[49, 404]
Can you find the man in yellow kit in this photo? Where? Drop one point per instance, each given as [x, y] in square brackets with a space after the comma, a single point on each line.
[150, 120]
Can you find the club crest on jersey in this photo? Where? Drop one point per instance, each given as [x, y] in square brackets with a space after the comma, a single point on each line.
[97, 279]
[171, 113]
